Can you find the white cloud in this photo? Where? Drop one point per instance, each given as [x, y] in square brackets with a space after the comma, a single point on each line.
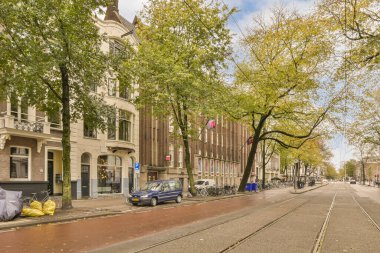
[129, 9]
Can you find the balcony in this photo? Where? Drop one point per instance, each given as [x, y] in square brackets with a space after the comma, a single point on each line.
[12, 126]
[118, 145]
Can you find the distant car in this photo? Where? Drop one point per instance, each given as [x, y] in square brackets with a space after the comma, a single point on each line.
[156, 192]
[352, 181]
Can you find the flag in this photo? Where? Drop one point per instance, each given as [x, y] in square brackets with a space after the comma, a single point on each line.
[211, 124]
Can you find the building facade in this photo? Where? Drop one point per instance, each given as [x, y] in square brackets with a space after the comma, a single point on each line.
[218, 153]
[101, 163]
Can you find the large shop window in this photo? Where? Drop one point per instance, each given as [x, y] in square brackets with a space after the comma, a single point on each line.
[109, 174]
[20, 163]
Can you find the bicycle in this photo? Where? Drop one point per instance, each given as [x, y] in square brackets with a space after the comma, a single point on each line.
[202, 192]
[41, 196]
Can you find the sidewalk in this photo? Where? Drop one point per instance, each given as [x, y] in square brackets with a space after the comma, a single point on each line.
[91, 208]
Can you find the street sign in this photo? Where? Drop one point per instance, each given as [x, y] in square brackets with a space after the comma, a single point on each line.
[137, 167]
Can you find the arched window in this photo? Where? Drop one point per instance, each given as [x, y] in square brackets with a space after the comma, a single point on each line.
[85, 159]
[109, 174]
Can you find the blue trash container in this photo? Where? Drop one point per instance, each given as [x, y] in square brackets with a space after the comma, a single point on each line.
[254, 187]
[249, 187]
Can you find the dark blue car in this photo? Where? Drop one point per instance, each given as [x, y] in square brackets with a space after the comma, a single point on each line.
[156, 192]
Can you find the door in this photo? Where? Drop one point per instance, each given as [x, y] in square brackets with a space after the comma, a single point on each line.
[85, 176]
[131, 180]
[50, 172]
[51, 177]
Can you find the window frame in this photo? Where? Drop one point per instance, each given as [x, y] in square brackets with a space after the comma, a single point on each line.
[21, 156]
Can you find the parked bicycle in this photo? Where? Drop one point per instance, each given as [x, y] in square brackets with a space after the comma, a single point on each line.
[41, 196]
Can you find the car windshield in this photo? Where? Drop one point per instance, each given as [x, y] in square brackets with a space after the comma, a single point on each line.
[153, 186]
[199, 182]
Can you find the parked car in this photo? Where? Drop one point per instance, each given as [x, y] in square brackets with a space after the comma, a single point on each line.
[203, 183]
[352, 181]
[156, 192]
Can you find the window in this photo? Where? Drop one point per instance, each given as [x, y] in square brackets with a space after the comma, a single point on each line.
[217, 167]
[54, 117]
[19, 107]
[180, 157]
[109, 174]
[199, 165]
[111, 127]
[124, 92]
[212, 166]
[124, 126]
[171, 154]
[111, 87]
[171, 124]
[88, 129]
[116, 47]
[19, 163]
[93, 87]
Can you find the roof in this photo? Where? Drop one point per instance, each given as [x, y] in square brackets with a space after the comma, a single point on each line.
[112, 13]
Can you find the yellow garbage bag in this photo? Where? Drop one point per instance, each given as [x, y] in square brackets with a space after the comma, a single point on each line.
[30, 212]
[49, 207]
[36, 205]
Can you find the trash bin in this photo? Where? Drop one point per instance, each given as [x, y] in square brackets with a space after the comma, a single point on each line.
[248, 187]
[254, 187]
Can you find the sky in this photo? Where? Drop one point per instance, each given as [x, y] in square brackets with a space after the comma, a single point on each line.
[247, 9]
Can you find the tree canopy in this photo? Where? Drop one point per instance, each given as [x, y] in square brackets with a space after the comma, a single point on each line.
[178, 64]
[50, 54]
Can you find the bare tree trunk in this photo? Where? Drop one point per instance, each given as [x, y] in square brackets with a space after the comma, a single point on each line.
[66, 145]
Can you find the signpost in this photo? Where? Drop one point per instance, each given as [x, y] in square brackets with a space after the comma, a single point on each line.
[137, 167]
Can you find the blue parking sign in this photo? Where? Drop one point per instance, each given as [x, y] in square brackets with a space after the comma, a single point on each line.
[137, 167]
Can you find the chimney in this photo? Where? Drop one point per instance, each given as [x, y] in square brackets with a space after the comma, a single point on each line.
[113, 11]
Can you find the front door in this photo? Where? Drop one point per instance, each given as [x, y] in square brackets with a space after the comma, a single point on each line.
[51, 172]
[152, 175]
[131, 180]
[85, 176]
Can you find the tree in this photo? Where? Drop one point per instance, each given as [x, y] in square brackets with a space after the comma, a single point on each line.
[359, 23]
[276, 85]
[330, 171]
[183, 48]
[349, 168]
[50, 54]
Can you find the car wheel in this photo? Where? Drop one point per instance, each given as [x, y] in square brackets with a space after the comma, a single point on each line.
[178, 199]
[153, 202]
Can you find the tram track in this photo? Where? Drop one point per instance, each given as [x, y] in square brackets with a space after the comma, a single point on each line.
[226, 222]
[321, 235]
[372, 221]
[262, 228]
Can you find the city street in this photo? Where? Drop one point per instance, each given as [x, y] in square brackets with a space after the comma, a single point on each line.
[336, 218]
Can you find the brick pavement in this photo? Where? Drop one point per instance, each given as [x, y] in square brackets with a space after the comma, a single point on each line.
[102, 206]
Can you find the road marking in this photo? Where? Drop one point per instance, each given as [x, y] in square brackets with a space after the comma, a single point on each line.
[318, 244]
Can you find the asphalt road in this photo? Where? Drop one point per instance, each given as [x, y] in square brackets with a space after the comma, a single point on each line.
[335, 218]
